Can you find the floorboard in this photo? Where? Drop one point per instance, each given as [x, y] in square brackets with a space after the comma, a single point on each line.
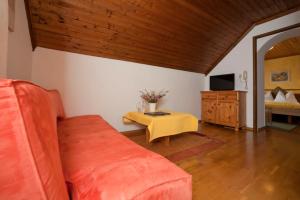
[229, 165]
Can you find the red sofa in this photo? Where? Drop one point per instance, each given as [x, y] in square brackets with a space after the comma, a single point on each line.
[42, 156]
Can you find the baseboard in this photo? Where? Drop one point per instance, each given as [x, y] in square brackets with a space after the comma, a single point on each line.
[251, 129]
[134, 132]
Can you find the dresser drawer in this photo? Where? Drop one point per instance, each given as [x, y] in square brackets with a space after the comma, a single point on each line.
[228, 96]
[209, 95]
[226, 108]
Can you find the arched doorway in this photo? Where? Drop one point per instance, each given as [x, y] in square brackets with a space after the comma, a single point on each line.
[263, 43]
[282, 84]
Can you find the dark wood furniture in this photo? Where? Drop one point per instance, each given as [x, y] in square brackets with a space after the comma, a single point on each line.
[285, 109]
[226, 108]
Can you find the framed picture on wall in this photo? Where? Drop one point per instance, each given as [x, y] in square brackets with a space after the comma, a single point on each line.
[281, 76]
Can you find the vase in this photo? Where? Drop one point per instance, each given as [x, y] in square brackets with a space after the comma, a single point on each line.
[152, 107]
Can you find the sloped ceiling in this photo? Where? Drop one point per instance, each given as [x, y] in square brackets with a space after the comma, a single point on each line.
[289, 47]
[190, 35]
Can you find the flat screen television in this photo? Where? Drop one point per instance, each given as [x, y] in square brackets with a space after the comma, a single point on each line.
[222, 82]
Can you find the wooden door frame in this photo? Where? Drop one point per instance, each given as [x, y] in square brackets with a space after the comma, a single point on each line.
[255, 38]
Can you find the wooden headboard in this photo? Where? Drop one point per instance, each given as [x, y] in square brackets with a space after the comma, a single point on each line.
[297, 95]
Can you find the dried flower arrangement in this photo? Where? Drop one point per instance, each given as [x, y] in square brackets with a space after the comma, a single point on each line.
[152, 96]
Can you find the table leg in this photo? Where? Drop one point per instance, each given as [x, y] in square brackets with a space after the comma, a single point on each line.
[290, 119]
[167, 140]
[147, 136]
[268, 117]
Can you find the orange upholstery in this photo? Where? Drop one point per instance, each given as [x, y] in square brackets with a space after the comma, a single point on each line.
[30, 164]
[94, 159]
[100, 163]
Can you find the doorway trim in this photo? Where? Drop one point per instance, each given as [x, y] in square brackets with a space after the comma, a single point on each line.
[254, 40]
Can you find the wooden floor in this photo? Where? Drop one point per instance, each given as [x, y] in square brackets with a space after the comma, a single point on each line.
[246, 166]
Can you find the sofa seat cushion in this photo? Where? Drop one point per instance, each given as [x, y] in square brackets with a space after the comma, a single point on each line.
[100, 163]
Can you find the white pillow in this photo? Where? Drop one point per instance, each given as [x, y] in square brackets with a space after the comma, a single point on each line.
[268, 96]
[290, 98]
[280, 97]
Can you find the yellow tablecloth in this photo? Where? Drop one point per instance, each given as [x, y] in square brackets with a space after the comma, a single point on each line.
[160, 126]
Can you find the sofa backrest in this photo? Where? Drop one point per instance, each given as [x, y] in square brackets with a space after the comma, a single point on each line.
[30, 166]
[57, 103]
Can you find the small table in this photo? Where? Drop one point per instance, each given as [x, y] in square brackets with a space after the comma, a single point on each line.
[163, 126]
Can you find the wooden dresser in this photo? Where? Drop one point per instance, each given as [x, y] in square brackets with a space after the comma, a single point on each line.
[226, 108]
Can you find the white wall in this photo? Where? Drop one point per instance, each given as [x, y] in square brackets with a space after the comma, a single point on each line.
[19, 60]
[3, 37]
[241, 58]
[94, 85]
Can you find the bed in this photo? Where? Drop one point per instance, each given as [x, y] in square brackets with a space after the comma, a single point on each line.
[282, 108]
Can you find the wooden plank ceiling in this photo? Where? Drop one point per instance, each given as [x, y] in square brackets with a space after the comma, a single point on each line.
[190, 35]
[289, 47]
